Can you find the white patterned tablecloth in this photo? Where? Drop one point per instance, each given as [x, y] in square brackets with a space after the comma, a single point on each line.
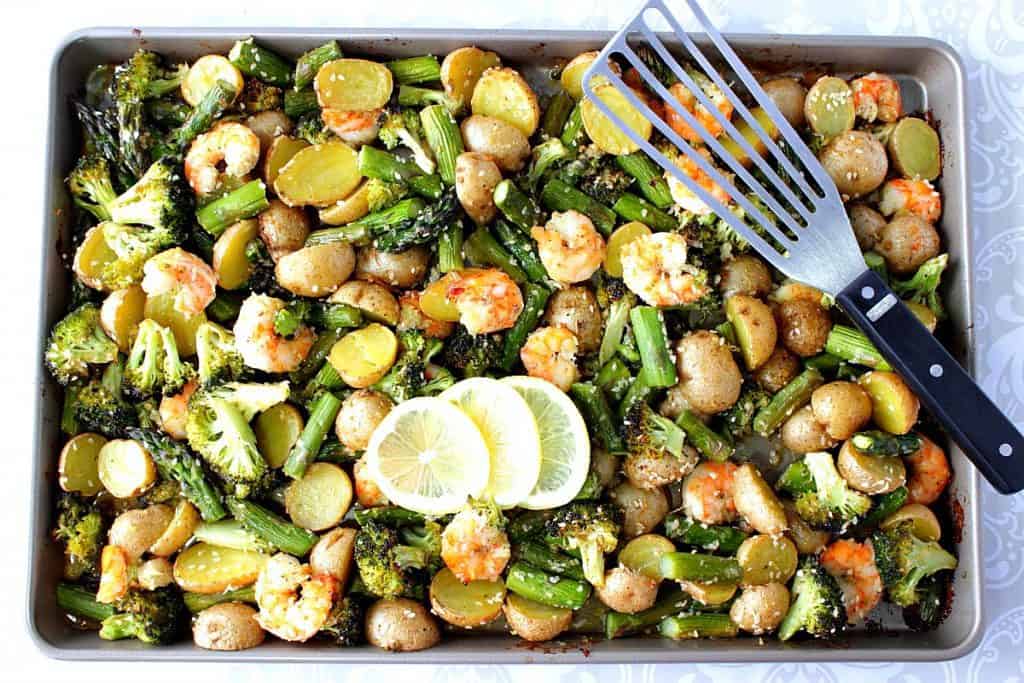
[989, 34]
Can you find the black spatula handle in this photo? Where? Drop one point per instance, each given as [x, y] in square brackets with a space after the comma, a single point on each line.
[974, 422]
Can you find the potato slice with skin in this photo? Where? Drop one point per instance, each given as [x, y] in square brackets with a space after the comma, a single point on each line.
[534, 621]
[894, 406]
[351, 208]
[353, 85]
[375, 301]
[504, 94]
[319, 175]
[461, 69]
[121, 313]
[125, 468]
[206, 568]
[78, 468]
[364, 356]
[467, 605]
[229, 260]
[136, 530]
[321, 498]
[160, 308]
[572, 73]
[179, 530]
[204, 73]
[605, 134]
[280, 152]
[277, 429]
[755, 328]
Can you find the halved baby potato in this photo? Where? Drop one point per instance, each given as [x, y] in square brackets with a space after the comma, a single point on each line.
[364, 356]
[465, 604]
[375, 301]
[125, 468]
[320, 498]
[178, 531]
[461, 70]
[277, 429]
[319, 175]
[78, 468]
[351, 208]
[205, 72]
[161, 309]
[605, 134]
[121, 313]
[572, 74]
[622, 236]
[894, 406]
[504, 94]
[205, 568]
[353, 85]
[230, 263]
[280, 152]
[755, 328]
[535, 621]
[435, 302]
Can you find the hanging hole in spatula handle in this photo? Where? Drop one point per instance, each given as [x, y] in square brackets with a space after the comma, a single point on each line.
[945, 389]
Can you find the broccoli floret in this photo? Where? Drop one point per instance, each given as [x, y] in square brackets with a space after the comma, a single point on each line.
[140, 78]
[471, 354]
[80, 529]
[381, 194]
[738, 420]
[403, 128]
[649, 434]
[904, 560]
[91, 187]
[310, 127]
[262, 276]
[154, 364]
[410, 375]
[546, 156]
[132, 246]
[590, 528]
[155, 617]
[161, 200]
[425, 228]
[344, 626]
[388, 568]
[426, 536]
[817, 606]
[218, 429]
[596, 174]
[76, 342]
[258, 96]
[923, 287]
[100, 407]
[219, 360]
[932, 606]
[833, 505]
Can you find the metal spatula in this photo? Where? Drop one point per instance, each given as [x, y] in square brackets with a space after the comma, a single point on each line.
[817, 246]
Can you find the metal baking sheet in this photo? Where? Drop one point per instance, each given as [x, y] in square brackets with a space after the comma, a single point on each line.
[932, 78]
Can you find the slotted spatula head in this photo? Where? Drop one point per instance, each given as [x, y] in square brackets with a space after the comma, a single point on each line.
[810, 237]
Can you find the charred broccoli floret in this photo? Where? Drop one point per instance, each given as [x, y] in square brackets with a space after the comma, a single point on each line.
[932, 606]
[546, 156]
[91, 186]
[738, 421]
[76, 342]
[344, 625]
[100, 407]
[833, 505]
[388, 568]
[472, 354]
[156, 617]
[80, 529]
[258, 96]
[161, 200]
[649, 434]
[218, 429]
[219, 360]
[140, 78]
[154, 365]
[596, 174]
[923, 286]
[262, 277]
[403, 128]
[590, 528]
[904, 561]
[817, 605]
[411, 374]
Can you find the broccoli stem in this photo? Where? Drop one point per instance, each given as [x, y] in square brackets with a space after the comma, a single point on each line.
[572, 132]
[560, 196]
[79, 602]
[389, 515]
[852, 345]
[317, 356]
[321, 417]
[414, 96]
[298, 103]
[174, 461]
[594, 406]
[876, 442]
[245, 202]
[681, 566]
[614, 327]
[703, 438]
[259, 62]
[544, 558]
[548, 589]
[789, 398]
[482, 249]
[412, 70]
[214, 103]
[528, 525]
[652, 342]
[197, 602]
[683, 627]
[557, 113]
[614, 379]
[516, 206]
[449, 249]
[310, 62]
[639, 390]
[520, 246]
[535, 297]
[722, 539]
[633, 208]
[618, 624]
[276, 531]
[883, 506]
[443, 138]
[876, 262]
[360, 232]
[796, 479]
[649, 178]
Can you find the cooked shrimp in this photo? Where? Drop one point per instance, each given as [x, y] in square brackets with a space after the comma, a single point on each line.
[487, 299]
[473, 547]
[704, 117]
[682, 195]
[707, 493]
[183, 274]
[853, 566]
[635, 81]
[929, 473]
[412, 317]
[230, 146]
[877, 96]
[654, 268]
[114, 578]
[353, 127]
[569, 246]
[263, 348]
[294, 603]
[917, 197]
[174, 411]
[368, 494]
[550, 353]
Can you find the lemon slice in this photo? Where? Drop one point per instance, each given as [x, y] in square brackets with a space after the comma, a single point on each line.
[428, 456]
[564, 443]
[507, 425]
